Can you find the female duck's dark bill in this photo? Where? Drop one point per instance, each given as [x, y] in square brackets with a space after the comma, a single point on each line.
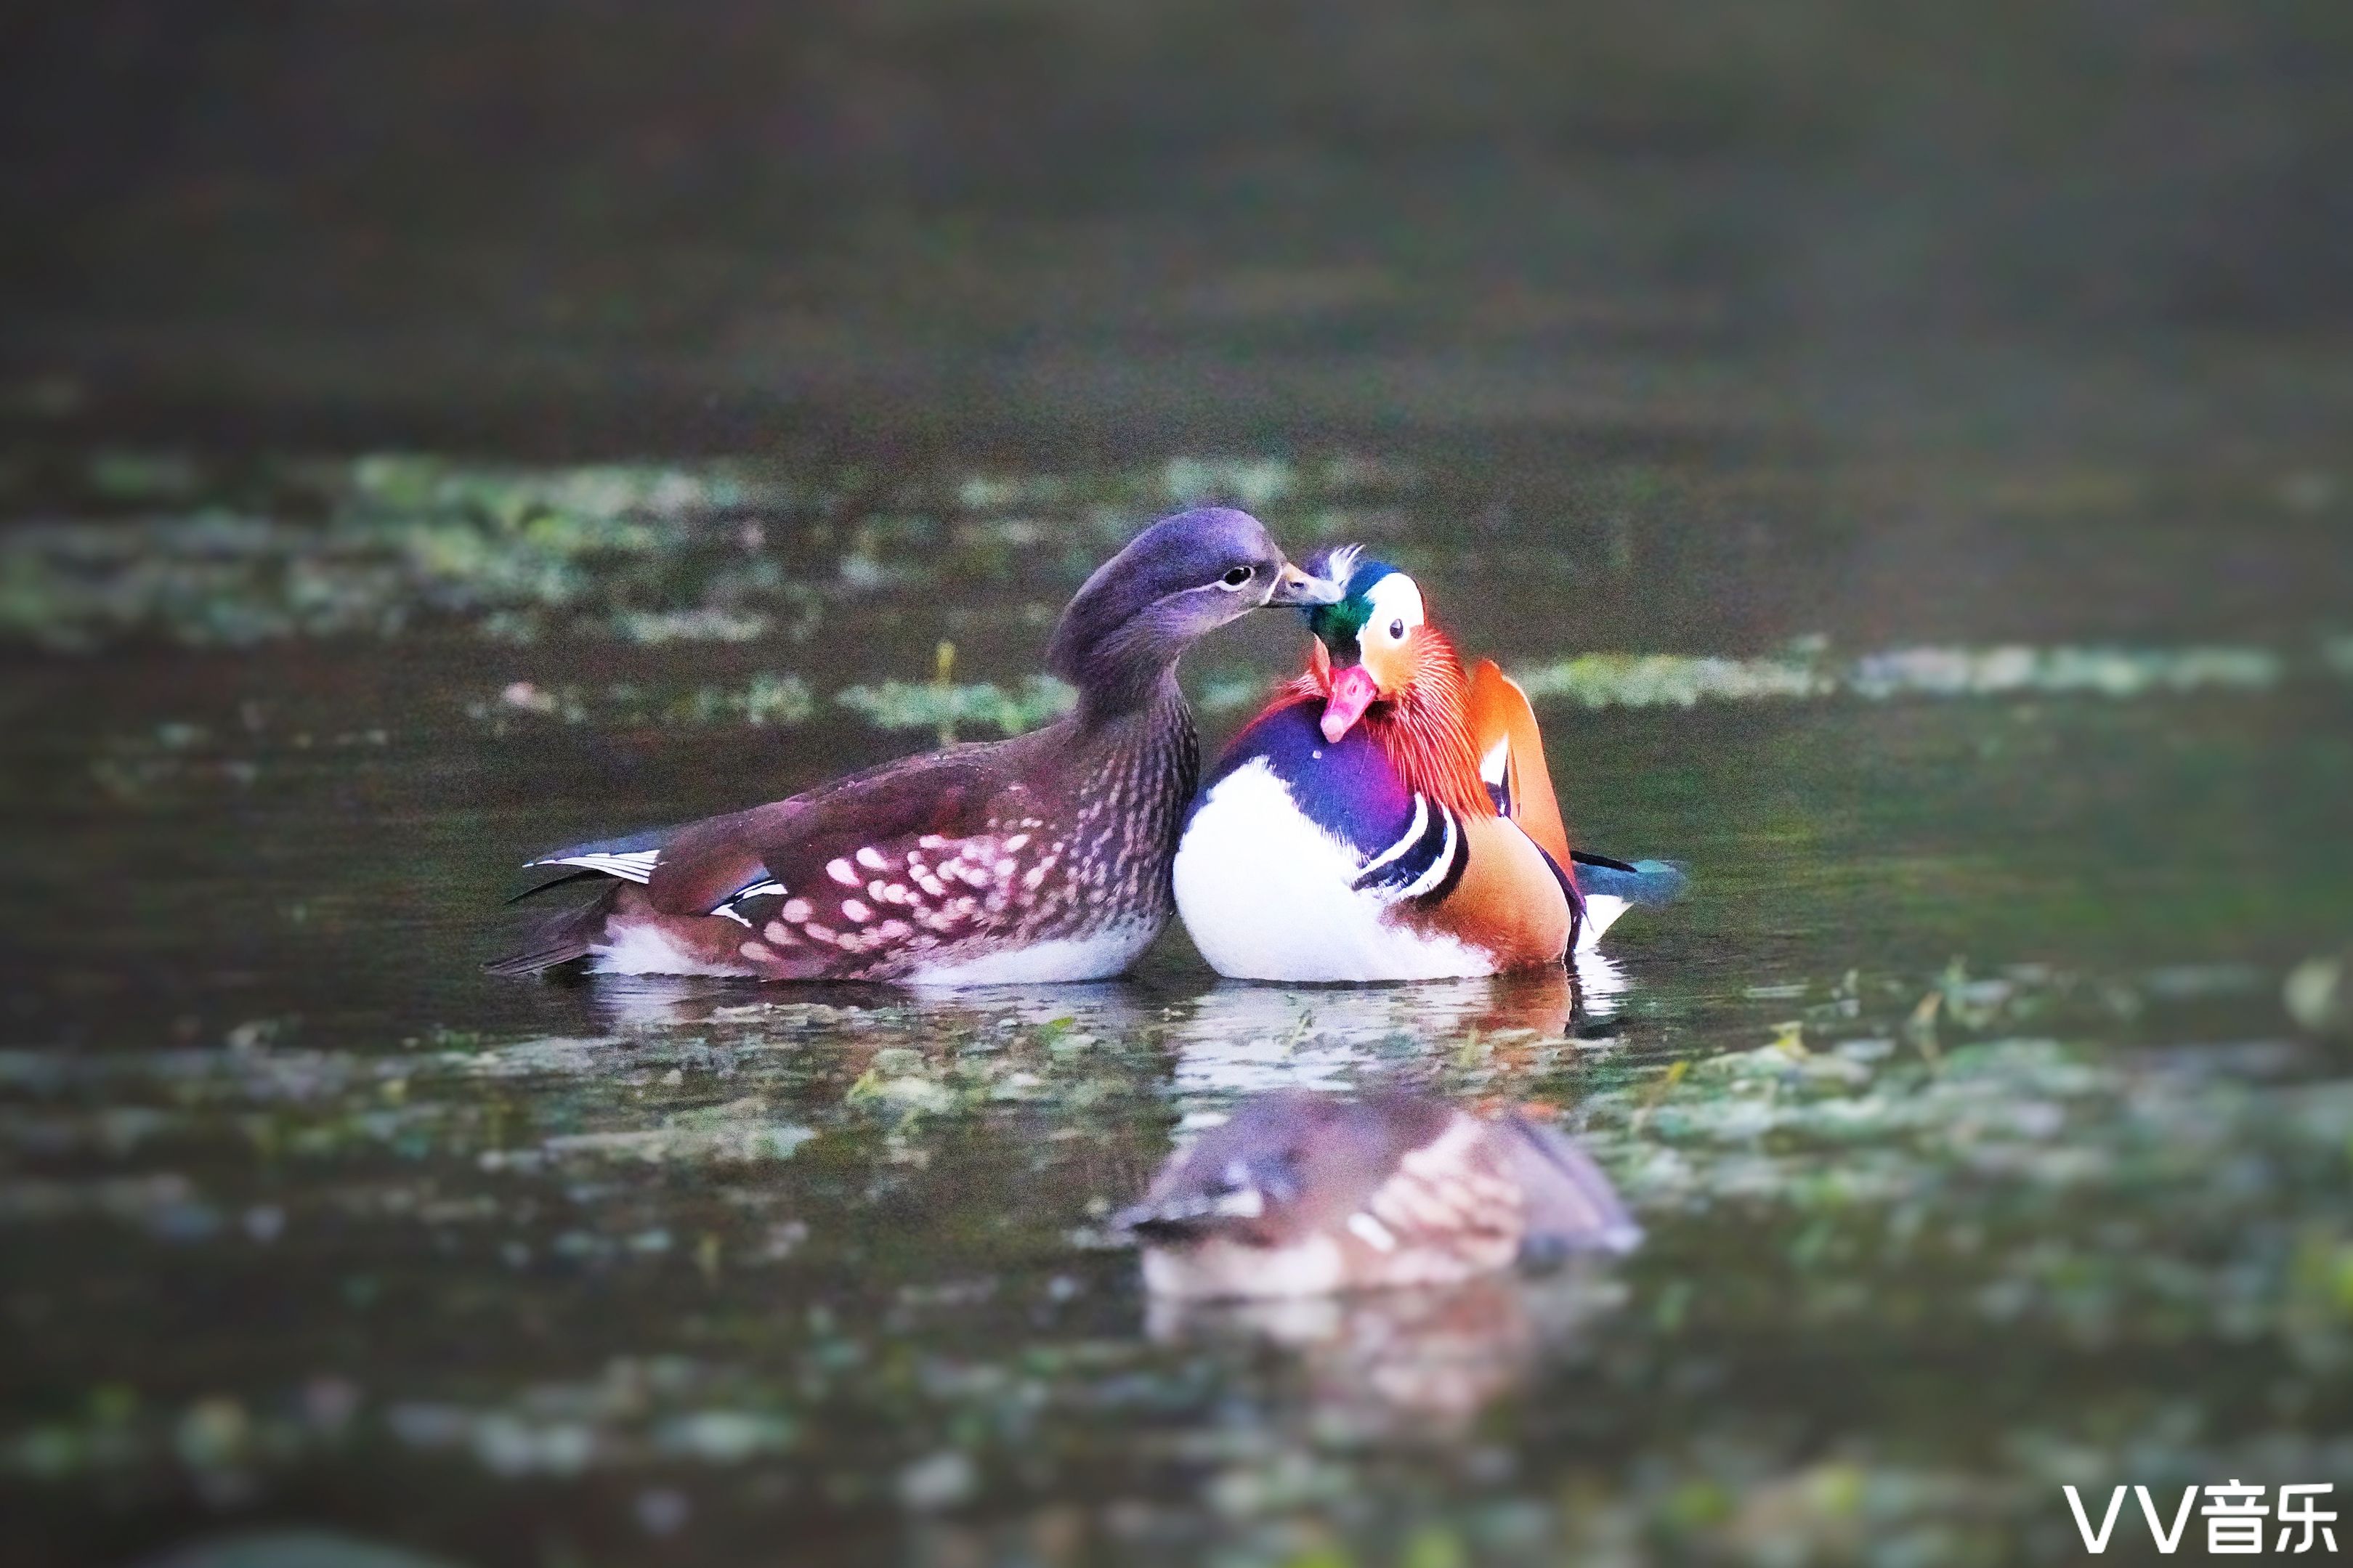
[1292, 586]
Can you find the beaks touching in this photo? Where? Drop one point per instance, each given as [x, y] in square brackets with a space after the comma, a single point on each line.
[1294, 587]
[1353, 690]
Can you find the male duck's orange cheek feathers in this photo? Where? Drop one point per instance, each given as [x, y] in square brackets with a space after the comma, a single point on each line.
[1422, 725]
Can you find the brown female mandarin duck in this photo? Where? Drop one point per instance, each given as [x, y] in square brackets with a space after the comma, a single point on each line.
[1041, 858]
[1301, 1193]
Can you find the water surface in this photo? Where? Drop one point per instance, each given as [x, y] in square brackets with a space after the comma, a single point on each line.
[1978, 1151]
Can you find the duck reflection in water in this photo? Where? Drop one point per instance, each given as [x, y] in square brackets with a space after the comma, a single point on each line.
[1239, 1038]
[1229, 1038]
[1300, 1195]
[1424, 1360]
[1378, 1234]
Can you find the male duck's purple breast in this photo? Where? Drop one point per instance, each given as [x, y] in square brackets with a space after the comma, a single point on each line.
[1349, 789]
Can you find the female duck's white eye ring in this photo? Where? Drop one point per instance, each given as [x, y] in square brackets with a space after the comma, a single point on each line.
[1235, 577]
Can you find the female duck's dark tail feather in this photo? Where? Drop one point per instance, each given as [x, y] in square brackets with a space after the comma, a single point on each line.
[558, 938]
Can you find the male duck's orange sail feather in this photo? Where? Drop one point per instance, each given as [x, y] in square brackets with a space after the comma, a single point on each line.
[1499, 716]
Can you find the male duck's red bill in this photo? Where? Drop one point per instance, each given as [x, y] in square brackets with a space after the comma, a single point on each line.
[1390, 816]
[1041, 857]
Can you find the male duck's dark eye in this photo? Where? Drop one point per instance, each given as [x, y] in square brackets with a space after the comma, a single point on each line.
[1236, 576]
[1396, 629]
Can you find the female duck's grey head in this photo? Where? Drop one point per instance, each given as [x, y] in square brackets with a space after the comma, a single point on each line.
[1185, 575]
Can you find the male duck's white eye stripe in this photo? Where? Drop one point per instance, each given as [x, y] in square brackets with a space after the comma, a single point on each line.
[1396, 597]
[636, 865]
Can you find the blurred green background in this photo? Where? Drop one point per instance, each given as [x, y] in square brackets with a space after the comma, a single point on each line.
[587, 223]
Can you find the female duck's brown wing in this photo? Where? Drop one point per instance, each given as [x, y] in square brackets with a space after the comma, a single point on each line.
[707, 863]
[878, 873]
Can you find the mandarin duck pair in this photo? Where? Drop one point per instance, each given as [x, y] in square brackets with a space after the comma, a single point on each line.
[1390, 817]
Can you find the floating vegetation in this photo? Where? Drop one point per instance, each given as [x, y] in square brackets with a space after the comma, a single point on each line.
[174, 757]
[1668, 681]
[1656, 681]
[2107, 672]
[690, 625]
[944, 709]
[2319, 994]
[852, 1252]
[777, 700]
[942, 706]
[128, 545]
[731, 1265]
[1231, 691]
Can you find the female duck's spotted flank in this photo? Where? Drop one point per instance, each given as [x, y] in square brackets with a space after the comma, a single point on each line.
[1041, 857]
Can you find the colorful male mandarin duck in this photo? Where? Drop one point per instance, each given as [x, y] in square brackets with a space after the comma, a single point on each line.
[1301, 1193]
[1391, 818]
[1041, 858]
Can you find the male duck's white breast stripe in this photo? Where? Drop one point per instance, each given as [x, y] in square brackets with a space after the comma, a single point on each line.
[1441, 865]
[1419, 861]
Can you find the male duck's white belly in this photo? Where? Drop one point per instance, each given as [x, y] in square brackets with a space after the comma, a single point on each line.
[1268, 895]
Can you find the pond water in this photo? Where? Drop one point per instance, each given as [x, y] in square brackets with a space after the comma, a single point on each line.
[1987, 1100]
